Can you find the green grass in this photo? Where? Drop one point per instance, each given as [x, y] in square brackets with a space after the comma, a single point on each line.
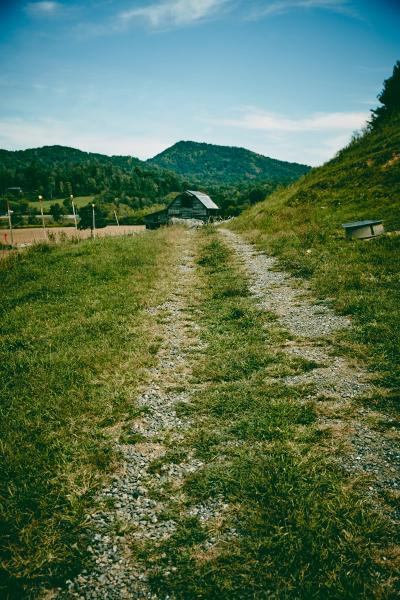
[301, 225]
[76, 341]
[304, 529]
[79, 201]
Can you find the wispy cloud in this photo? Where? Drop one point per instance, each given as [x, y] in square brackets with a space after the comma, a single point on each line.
[312, 139]
[279, 7]
[256, 119]
[38, 9]
[175, 13]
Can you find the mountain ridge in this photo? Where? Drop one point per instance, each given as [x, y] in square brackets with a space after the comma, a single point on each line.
[216, 163]
[234, 176]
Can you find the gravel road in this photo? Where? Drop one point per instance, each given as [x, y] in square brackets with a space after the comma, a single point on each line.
[132, 503]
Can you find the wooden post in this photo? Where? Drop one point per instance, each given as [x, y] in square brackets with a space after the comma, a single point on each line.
[41, 212]
[93, 222]
[9, 211]
[73, 210]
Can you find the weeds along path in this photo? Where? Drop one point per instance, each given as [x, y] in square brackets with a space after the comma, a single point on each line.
[365, 441]
[133, 507]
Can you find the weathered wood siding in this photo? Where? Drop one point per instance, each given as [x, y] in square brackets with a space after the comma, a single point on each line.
[155, 220]
[187, 207]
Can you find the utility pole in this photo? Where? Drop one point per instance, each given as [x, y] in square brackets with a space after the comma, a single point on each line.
[73, 210]
[41, 212]
[93, 221]
[9, 212]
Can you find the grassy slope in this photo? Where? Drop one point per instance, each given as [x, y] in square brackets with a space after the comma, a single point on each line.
[75, 342]
[305, 529]
[302, 226]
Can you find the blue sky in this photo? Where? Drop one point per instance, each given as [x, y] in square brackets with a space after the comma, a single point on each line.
[291, 79]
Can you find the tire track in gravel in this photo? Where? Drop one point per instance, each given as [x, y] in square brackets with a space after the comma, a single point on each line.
[134, 514]
[339, 383]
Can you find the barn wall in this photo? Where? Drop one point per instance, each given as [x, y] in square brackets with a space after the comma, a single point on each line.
[155, 220]
[196, 211]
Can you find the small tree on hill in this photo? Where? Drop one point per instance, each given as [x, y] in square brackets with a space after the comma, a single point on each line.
[389, 97]
[256, 195]
[67, 204]
[86, 217]
[57, 211]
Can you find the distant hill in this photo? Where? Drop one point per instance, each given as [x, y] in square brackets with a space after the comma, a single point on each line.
[235, 177]
[225, 164]
[58, 171]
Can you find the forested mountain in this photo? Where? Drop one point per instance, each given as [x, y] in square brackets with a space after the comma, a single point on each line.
[234, 177]
[58, 171]
[225, 164]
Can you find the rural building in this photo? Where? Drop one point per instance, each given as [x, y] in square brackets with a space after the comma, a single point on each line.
[363, 229]
[188, 205]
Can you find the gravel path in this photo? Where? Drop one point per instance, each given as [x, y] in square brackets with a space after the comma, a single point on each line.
[336, 382]
[133, 504]
[134, 514]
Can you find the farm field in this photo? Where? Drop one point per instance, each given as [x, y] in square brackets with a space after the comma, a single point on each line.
[30, 235]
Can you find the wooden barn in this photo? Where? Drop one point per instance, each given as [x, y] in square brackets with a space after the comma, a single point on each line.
[188, 205]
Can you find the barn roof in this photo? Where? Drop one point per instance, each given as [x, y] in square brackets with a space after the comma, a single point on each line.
[204, 199]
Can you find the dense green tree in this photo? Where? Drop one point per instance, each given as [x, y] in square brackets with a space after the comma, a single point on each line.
[213, 164]
[256, 195]
[56, 171]
[234, 177]
[67, 204]
[389, 97]
[86, 217]
[57, 211]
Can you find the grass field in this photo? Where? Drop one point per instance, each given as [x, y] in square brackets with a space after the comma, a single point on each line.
[79, 201]
[302, 527]
[76, 339]
[77, 343]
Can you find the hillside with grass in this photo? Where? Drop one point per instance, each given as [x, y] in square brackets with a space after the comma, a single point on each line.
[302, 225]
[227, 165]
